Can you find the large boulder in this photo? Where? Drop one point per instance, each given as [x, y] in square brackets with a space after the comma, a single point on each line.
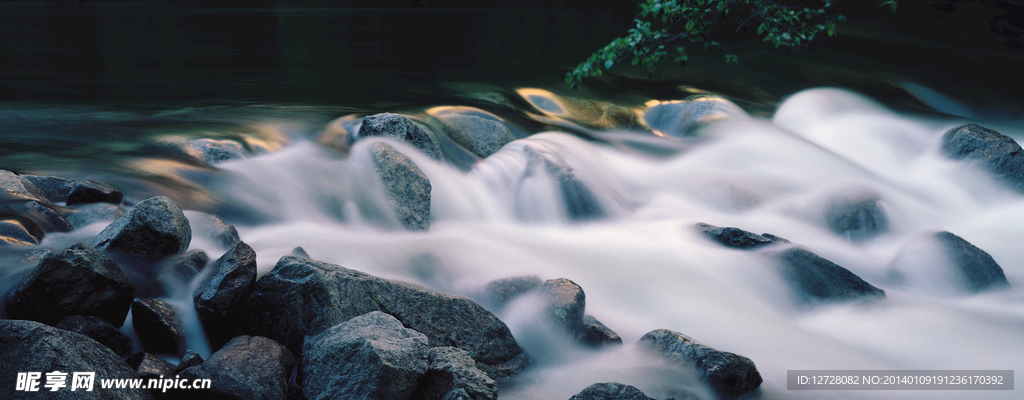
[452, 372]
[247, 367]
[729, 375]
[302, 297]
[496, 294]
[818, 279]
[610, 391]
[220, 299]
[481, 136]
[27, 347]
[93, 192]
[371, 356]
[402, 128]
[998, 154]
[158, 326]
[979, 270]
[566, 303]
[406, 187]
[79, 280]
[149, 366]
[99, 330]
[737, 238]
[54, 189]
[154, 229]
[188, 360]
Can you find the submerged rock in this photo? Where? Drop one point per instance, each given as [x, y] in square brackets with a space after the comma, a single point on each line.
[683, 118]
[737, 238]
[729, 375]
[407, 188]
[13, 231]
[998, 154]
[816, 278]
[214, 228]
[979, 270]
[93, 192]
[371, 356]
[580, 202]
[99, 330]
[610, 391]
[594, 334]
[857, 219]
[158, 326]
[402, 128]
[154, 229]
[94, 212]
[247, 367]
[213, 151]
[481, 136]
[79, 280]
[220, 300]
[499, 292]
[451, 373]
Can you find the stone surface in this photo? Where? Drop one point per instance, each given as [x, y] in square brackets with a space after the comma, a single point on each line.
[13, 231]
[220, 299]
[737, 238]
[215, 228]
[188, 360]
[481, 136]
[302, 297]
[979, 270]
[683, 118]
[499, 292]
[158, 326]
[729, 375]
[79, 280]
[593, 333]
[99, 330]
[53, 188]
[371, 356]
[27, 346]
[149, 366]
[93, 192]
[406, 187]
[213, 151]
[453, 370]
[18, 185]
[566, 303]
[247, 367]
[182, 267]
[857, 219]
[154, 229]
[818, 279]
[401, 128]
[996, 153]
[610, 391]
[86, 214]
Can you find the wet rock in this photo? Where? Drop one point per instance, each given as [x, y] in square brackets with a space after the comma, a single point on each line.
[54, 189]
[817, 279]
[998, 154]
[247, 367]
[371, 356]
[594, 334]
[188, 360]
[27, 346]
[580, 202]
[154, 229]
[99, 330]
[729, 375]
[737, 238]
[610, 391]
[93, 192]
[979, 270]
[214, 151]
[683, 118]
[302, 297]
[19, 185]
[407, 188]
[565, 303]
[13, 231]
[183, 267]
[857, 219]
[298, 251]
[481, 136]
[149, 366]
[95, 212]
[79, 280]
[453, 370]
[29, 217]
[401, 128]
[158, 326]
[220, 300]
[499, 292]
[214, 228]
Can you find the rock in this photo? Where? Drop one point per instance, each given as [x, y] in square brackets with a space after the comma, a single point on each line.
[407, 188]
[683, 118]
[594, 334]
[481, 136]
[158, 326]
[149, 366]
[89, 213]
[453, 370]
[816, 278]
[371, 356]
[302, 297]
[737, 238]
[26, 216]
[298, 251]
[13, 231]
[214, 151]
[580, 202]
[154, 229]
[857, 219]
[93, 192]
[247, 367]
[48, 219]
[182, 267]
[610, 391]
[27, 346]
[214, 228]
[998, 154]
[99, 330]
[54, 189]
[401, 128]
[979, 270]
[499, 292]
[18, 185]
[188, 360]
[565, 304]
[77, 281]
[220, 300]
[729, 375]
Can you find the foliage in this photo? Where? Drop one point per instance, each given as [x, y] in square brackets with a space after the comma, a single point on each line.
[668, 28]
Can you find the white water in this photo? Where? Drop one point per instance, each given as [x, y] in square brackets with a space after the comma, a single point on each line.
[644, 267]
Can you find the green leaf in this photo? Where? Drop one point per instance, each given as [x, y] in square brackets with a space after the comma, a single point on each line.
[635, 61]
[608, 64]
[689, 25]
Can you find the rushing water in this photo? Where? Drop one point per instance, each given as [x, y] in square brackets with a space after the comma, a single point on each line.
[641, 262]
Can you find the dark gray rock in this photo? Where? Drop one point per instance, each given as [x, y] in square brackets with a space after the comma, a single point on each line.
[86, 214]
[214, 151]
[298, 251]
[188, 360]
[18, 185]
[220, 300]
[453, 370]
[499, 292]
[818, 279]
[183, 267]
[149, 366]
[729, 375]
[77, 281]
[27, 346]
[684, 118]
[216, 229]
[54, 189]
[610, 391]
[979, 270]
[594, 334]
[401, 128]
[13, 231]
[99, 330]
[566, 303]
[48, 219]
[93, 192]
[737, 238]
[580, 202]
[302, 297]
[154, 229]
[998, 154]
[247, 367]
[371, 356]
[481, 136]
[857, 219]
[158, 326]
[407, 188]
